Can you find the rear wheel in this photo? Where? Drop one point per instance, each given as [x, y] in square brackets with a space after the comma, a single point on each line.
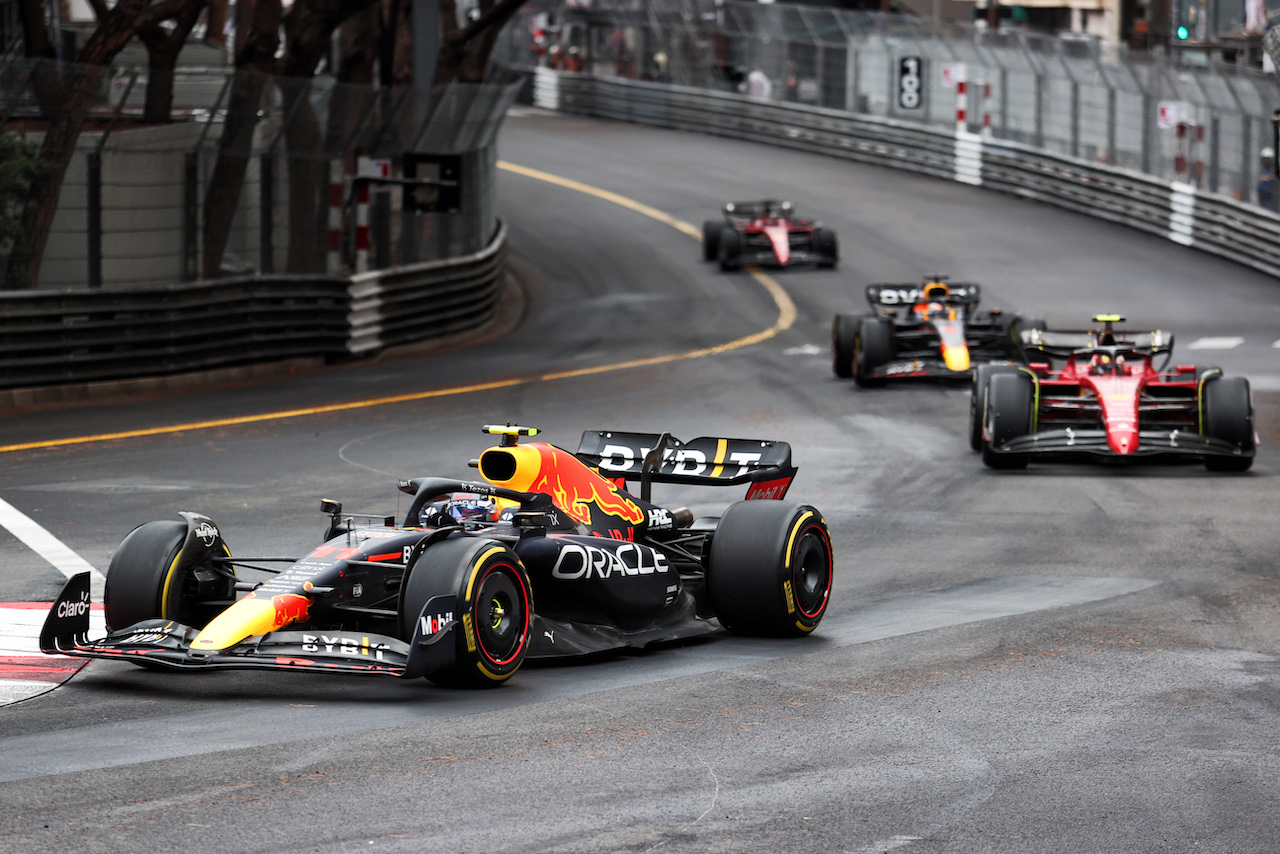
[711, 239]
[873, 346]
[844, 329]
[770, 568]
[1228, 415]
[147, 580]
[1009, 403]
[494, 607]
[982, 375]
[826, 245]
[730, 249]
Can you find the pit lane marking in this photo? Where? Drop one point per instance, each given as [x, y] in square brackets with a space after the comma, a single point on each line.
[785, 319]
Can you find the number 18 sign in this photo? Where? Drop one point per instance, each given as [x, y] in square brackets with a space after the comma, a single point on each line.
[910, 79]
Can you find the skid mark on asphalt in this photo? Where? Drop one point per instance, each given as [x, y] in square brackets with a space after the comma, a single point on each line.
[785, 319]
[254, 716]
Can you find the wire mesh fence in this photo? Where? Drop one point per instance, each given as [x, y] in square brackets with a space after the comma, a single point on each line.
[232, 175]
[1208, 126]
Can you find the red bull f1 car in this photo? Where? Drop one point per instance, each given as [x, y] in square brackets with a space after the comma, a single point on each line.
[930, 330]
[767, 233]
[550, 556]
[1109, 400]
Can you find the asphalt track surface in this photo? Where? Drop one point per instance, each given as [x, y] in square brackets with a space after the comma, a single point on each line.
[1070, 658]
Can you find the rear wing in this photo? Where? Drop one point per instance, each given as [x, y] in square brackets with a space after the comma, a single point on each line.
[1064, 344]
[705, 461]
[880, 297]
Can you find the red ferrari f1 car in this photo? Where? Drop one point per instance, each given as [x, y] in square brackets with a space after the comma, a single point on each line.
[930, 330]
[1109, 400]
[767, 233]
[549, 557]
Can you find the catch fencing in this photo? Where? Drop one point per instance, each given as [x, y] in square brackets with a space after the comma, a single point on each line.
[337, 179]
[1204, 125]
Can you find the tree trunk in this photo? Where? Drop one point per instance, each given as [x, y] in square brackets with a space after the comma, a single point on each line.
[309, 28]
[255, 67]
[163, 48]
[70, 106]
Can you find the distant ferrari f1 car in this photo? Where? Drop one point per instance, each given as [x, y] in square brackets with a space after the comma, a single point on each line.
[767, 233]
[929, 330]
[550, 557]
[1108, 400]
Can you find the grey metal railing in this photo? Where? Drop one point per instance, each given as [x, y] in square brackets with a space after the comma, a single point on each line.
[1213, 223]
[75, 336]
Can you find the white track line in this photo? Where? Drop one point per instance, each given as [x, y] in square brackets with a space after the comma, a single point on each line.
[43, 543]
[1224, 343]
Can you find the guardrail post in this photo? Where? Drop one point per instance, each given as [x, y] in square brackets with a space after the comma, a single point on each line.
[1213, 153]
[1004, 102]
[94, 212]
[266, 208]
[1112, 154]
[1246, 158]
[1075, 119]
[1148, 117]
[1039, 111]
[190, 215]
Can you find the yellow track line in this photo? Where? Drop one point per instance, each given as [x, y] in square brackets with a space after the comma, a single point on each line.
[786, 317]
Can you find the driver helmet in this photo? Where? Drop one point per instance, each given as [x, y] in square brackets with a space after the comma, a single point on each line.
[465, 507]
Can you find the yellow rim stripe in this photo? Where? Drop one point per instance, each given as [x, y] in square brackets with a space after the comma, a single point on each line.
[786, 317]
[791, 541]
[168, 580]
[475, 567]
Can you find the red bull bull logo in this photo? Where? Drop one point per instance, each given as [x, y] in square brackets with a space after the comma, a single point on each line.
[290, 608]
[575, 489]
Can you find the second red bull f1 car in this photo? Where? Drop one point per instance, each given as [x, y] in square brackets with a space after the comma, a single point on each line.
[767, 233]
[549, 557]
[930, 330]
[1110, 401]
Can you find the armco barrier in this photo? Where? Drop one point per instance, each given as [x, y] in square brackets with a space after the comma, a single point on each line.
[56, 337]
[1211, 223]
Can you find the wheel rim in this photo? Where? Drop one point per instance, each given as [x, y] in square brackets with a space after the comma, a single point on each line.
[501, 615]
[811, 573]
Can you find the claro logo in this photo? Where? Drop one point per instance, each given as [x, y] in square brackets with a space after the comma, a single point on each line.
[73, 609]
[577, 562]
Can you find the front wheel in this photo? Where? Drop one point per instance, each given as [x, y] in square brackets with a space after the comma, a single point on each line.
[730, 249]
[770, 569]
[978, 399]
[711, 239]
[494, 607]
[844, 331]
[873, 346]
[1009, 415]
[1228, 415]
[827, 246]
[149, 580]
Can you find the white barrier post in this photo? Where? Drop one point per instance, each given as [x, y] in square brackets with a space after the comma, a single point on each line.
[334, 264]
[986, 110]
[364, 170]
[962, 99]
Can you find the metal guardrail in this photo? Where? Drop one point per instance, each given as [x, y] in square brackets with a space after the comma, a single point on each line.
[1180, 212]
[55, 337]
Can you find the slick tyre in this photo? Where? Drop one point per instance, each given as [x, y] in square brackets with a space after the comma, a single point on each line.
[844, 331]
[711, 239]
[769, 571]
[982, 375]
[729, 250]
[826, 246]
[146, 581]
[1228, 415]
[494, 608]
[872, 347]
[1009, 404]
